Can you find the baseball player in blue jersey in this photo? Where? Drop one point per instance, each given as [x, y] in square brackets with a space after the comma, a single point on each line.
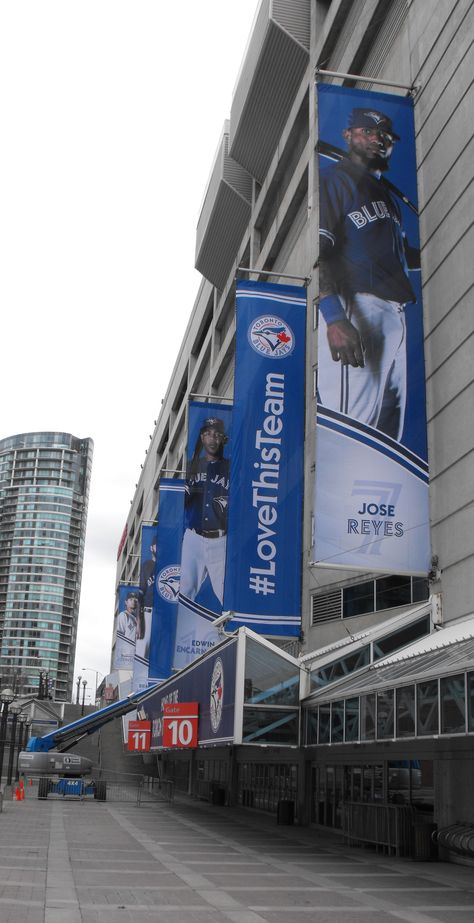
[147, 577]
[364, 282]
[206, 499]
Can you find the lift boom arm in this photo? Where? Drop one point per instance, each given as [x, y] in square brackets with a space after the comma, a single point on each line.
[65, 737]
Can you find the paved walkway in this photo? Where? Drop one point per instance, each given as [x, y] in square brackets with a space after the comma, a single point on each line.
[66, 861]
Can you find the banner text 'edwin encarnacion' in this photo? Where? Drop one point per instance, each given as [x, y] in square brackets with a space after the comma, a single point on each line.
[268, 442]
[264, 542]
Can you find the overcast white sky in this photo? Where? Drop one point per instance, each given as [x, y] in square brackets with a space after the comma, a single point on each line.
[110, 112]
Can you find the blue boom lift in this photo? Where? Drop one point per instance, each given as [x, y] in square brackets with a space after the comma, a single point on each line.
[48, 755]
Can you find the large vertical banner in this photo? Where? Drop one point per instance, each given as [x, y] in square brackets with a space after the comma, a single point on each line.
[147, 583]
[166, 583]
[263, 572]
[129, 614]
[371, 496]
[203, 552]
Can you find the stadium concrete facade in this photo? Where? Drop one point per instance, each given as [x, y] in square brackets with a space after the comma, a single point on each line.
[386, 660]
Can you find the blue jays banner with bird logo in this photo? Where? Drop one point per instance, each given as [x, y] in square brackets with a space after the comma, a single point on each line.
[263, 570]
[166, 583]
[209, 682]
[203, 553]
[371, 491]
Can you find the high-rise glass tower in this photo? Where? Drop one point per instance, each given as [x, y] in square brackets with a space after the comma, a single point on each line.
[44, 490]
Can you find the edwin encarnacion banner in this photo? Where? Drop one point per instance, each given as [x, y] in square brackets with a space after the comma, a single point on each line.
[371, 496]
[263, 570]
[203, 551]
[166, 584]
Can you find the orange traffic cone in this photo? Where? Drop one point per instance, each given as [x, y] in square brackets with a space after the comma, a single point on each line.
[18, 793]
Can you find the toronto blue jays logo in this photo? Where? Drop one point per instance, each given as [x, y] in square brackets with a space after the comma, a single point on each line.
[217, 694]
[222, 503]
[167, 583]
[377, 117]
[271, 337]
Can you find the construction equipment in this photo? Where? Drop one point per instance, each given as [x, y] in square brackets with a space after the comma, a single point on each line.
[48, 756]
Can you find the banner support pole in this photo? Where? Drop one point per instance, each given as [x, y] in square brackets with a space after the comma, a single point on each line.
[266, 272]
[211, 397]
[412, 88]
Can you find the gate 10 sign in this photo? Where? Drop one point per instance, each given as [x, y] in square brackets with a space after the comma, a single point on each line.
[180, 724]
[139, 735]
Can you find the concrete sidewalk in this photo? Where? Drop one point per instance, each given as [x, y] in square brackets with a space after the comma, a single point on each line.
[67, 861]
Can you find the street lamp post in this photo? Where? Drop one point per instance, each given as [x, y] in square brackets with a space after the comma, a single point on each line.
[6, 698]
[91, 669]
[84, 684]
[15, 710]
[22, 731]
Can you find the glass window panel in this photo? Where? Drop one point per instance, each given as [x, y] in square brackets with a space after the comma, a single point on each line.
[367, 717]
[453, 704]
[399, 639]
[392, 591]
[368, 783]
[427, 708]
[385, 723]
[347, 783]
[470, 701]
[378, 782]
[337, 723]
[352, 719]
[357, 600]
[405, 698]
[337, 669]
[357, 783]
[311, 727]
[269, 678]
[422, 784]
[420, 589]
[267, 725]
[399, 781]
[324, 724]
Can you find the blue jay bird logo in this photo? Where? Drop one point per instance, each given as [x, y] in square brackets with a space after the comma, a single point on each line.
[167, 583]
[271, 336]
[216, 698]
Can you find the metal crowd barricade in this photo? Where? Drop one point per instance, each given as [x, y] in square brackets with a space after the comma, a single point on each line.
[457, 838]
[388, 827]
[156, 791]
[115, 786]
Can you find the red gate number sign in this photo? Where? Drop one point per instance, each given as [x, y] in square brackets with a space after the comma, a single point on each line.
[180, 724]
[139, 735]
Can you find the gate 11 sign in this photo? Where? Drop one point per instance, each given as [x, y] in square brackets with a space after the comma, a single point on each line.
[139, 736]
[180, 724]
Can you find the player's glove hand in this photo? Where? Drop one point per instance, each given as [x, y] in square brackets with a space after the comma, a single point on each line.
[345, 343]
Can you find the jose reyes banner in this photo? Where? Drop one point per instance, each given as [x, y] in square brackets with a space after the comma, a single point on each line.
[371, 490]
[263, 570]
[166, 584]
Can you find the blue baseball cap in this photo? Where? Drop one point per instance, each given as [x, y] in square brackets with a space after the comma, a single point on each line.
[372, 118]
